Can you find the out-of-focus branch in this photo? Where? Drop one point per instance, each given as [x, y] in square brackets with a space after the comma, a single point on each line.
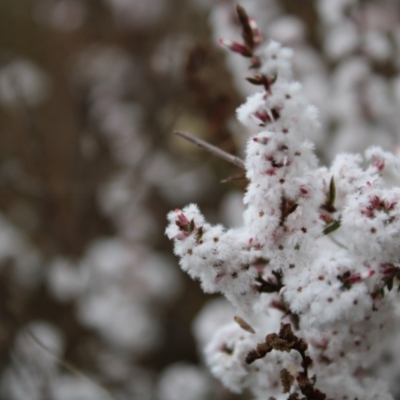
[237, 177]
[212, 149]
[68, 366]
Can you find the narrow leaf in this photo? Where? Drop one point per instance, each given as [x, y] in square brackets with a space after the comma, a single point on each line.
[332, 192]
[332, 228]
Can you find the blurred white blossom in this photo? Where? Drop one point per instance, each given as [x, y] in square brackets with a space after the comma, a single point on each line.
[22, 82]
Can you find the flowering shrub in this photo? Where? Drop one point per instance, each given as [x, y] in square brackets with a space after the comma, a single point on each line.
[349, 72]
[311, 272]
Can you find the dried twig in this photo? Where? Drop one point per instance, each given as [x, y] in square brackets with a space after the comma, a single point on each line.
[287, 341]
[237, 177]
[212, 149]
[69, 367]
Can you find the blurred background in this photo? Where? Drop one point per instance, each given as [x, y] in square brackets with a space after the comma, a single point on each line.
[93, 303]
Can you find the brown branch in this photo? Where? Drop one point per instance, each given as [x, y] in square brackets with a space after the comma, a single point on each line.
[232, 178]
[212, 149]
[287, 341]
[68, 366]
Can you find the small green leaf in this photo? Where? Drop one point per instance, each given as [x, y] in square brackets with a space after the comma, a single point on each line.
[331, 228]
[199, 234]
[247, 32]
[261, 260]
[293, 208]
[332, 192]
[191, 226]
[389, 284]
[266, 289]
[255, 80]
[272, 78]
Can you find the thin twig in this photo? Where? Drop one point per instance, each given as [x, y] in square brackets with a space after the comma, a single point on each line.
[26, 115]
[341, 245]
[69, 367]
[237, 177]
[212, 149]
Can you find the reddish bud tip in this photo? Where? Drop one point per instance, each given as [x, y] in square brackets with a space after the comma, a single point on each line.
[236, 47]
[379, 165]
[181, 219]
[257, 38]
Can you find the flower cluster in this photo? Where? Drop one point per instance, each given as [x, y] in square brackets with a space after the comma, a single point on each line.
[318, 249]
[351, 75]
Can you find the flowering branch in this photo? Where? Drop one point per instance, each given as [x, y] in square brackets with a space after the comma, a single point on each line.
[280, 264]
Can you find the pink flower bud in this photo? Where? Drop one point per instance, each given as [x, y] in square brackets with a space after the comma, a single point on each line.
[360, 276]
[388, 270]
[181, 217]
[379, 165]
[263, 116]
[257, 38]
[303, 190]
[236, 47]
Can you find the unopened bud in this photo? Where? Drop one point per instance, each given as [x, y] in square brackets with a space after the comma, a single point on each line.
[349, 280]
[361, 276]
[256, 80]
[181, 217]
[243, 324]
[236, 47]
[257, 38]
[379, 164]
[263, 116]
